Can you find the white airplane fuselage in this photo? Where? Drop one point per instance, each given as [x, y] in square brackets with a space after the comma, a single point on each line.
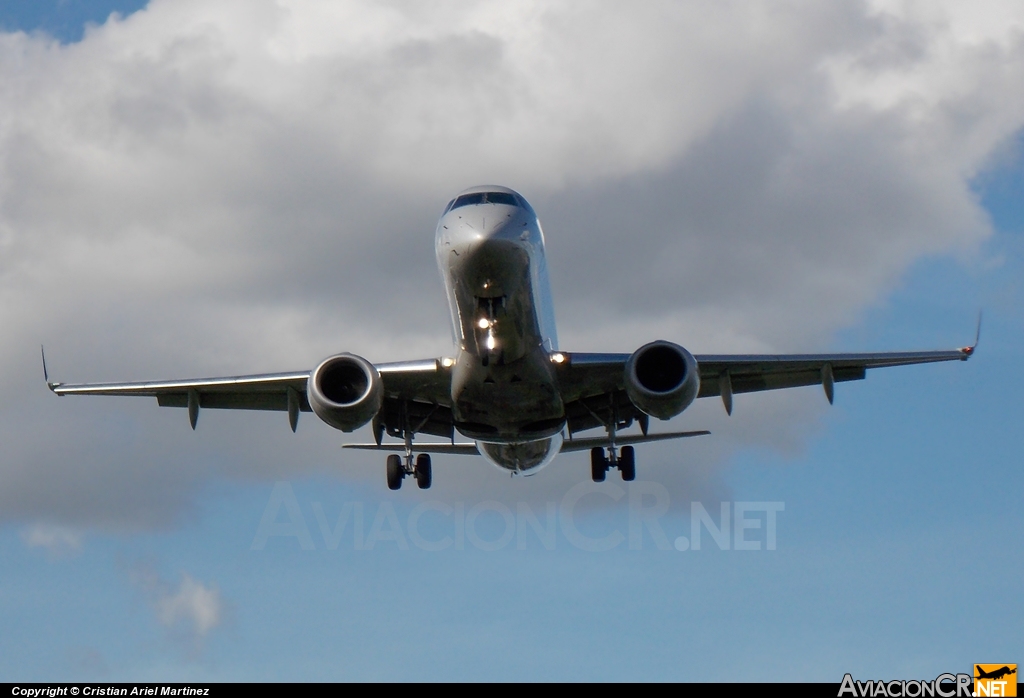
[490, 252]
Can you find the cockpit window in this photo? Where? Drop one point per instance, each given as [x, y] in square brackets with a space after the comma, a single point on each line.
[490, 197]
[498, 197]
[468, 200]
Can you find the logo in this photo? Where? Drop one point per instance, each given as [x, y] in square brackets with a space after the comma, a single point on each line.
[943, 686]
[995, 680]
[989, 680]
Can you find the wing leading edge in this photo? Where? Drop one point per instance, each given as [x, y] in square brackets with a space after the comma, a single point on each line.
[419, 387]
[589, 378]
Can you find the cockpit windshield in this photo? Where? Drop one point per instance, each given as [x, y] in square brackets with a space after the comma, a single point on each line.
[488, 197]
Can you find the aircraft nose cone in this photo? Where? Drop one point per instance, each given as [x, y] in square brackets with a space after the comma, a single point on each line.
[503, 227]
[485, 222]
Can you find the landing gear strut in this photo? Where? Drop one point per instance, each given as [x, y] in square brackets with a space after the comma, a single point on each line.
[624, 460]
[418, 466]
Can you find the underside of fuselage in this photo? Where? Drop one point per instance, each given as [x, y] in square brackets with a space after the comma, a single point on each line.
[490, 251]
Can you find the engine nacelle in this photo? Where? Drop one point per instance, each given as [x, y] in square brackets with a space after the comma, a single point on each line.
[345, 391]
[662, 379]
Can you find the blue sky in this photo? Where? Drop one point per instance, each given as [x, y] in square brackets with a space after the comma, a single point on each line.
[63, 19]
[898, 551]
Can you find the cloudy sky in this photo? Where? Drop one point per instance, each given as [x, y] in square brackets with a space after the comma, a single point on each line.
[210, 187]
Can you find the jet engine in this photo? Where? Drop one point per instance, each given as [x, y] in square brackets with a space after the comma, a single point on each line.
[662, 379]
[345, 391]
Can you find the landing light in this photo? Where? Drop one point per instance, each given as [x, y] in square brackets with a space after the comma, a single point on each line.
[558, 358]
[447, 362]
[484, 323]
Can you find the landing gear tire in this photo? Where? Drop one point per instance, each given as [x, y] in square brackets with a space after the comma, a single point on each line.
[422, 471]
[598, 464]
[395, 471]
[627, 463]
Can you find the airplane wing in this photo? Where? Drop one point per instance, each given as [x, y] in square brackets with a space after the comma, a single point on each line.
[755, 372]
[267, 391]
[415, 390]
[417, 393]
[594, 391]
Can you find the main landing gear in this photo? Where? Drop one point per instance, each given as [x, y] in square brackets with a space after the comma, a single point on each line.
[624, 460]
[418, 468]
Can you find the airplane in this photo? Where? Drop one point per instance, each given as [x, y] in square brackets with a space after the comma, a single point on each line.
[508, 388]
[996, 674]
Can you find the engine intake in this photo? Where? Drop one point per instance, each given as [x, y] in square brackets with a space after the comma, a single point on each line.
[662, 379]
[345, 391]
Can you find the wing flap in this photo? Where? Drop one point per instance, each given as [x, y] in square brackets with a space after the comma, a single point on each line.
[755, 382]
[272, 401]
[600, 410]
[422, 418]
[427, 381]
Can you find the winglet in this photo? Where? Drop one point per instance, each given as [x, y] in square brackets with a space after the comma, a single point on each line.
[969, 351]
[46, 374]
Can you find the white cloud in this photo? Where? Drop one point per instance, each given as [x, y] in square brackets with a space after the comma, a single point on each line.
[56, 540]
[193, 604]
[217, 186]
[190, 609]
